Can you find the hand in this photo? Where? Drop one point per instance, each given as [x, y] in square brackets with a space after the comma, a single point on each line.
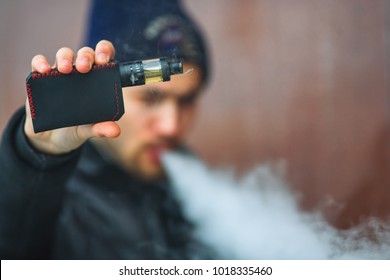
[63, 140]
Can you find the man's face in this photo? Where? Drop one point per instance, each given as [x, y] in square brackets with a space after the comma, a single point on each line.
[157, 118]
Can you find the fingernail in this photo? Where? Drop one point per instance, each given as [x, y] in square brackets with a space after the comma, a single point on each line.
[85, 62]
[66, 63]
[42, 67]
[102, 58]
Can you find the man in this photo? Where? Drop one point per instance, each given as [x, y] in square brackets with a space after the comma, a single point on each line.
[65, 196]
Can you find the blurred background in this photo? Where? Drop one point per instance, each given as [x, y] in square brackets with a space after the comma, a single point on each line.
[305, 81]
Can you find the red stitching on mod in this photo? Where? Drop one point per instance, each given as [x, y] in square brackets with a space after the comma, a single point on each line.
[103, 66]
[31, 101]
[55, 72]
[116, 101]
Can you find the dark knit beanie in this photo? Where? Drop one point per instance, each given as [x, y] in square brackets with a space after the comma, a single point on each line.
[147, 29]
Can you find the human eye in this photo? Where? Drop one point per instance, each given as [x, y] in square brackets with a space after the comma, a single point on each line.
[152, 97]
[188, 100]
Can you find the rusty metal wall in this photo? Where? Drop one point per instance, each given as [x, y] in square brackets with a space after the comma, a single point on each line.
[303, 81]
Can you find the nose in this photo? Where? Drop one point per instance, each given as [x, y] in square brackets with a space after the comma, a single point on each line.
[168, 120]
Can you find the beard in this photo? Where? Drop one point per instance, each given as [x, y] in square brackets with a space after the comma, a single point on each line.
[145, 163]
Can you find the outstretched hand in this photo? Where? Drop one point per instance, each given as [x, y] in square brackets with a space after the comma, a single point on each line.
[63, 140]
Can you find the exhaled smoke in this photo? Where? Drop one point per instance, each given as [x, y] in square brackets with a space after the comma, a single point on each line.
[257, 217]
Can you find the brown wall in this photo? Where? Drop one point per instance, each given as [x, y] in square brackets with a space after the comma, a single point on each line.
[304, 80]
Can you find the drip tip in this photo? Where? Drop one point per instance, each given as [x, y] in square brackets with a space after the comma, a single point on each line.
[175, 67]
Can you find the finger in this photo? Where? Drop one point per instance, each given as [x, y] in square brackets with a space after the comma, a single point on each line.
[39, 63]
[104, 52]
[28, 126]
[64, 60]
[107, 129]
[85, 59]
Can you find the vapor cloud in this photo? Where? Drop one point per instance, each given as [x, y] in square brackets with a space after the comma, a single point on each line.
[258, 217]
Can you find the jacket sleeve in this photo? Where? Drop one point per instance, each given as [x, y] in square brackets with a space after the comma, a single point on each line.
[31, 193]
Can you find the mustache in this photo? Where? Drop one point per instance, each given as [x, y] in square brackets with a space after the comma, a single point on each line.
[165, 143]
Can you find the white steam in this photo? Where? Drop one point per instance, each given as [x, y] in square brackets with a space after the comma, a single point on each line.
[258, 217]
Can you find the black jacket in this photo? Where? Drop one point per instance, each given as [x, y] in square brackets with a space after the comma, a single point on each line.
[79, 206]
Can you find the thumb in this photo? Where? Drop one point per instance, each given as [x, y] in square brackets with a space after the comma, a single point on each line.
[107, 129]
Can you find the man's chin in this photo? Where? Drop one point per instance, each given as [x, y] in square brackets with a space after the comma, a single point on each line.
[150, 171]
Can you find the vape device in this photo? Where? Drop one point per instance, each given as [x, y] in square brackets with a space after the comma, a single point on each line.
[60, 100]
